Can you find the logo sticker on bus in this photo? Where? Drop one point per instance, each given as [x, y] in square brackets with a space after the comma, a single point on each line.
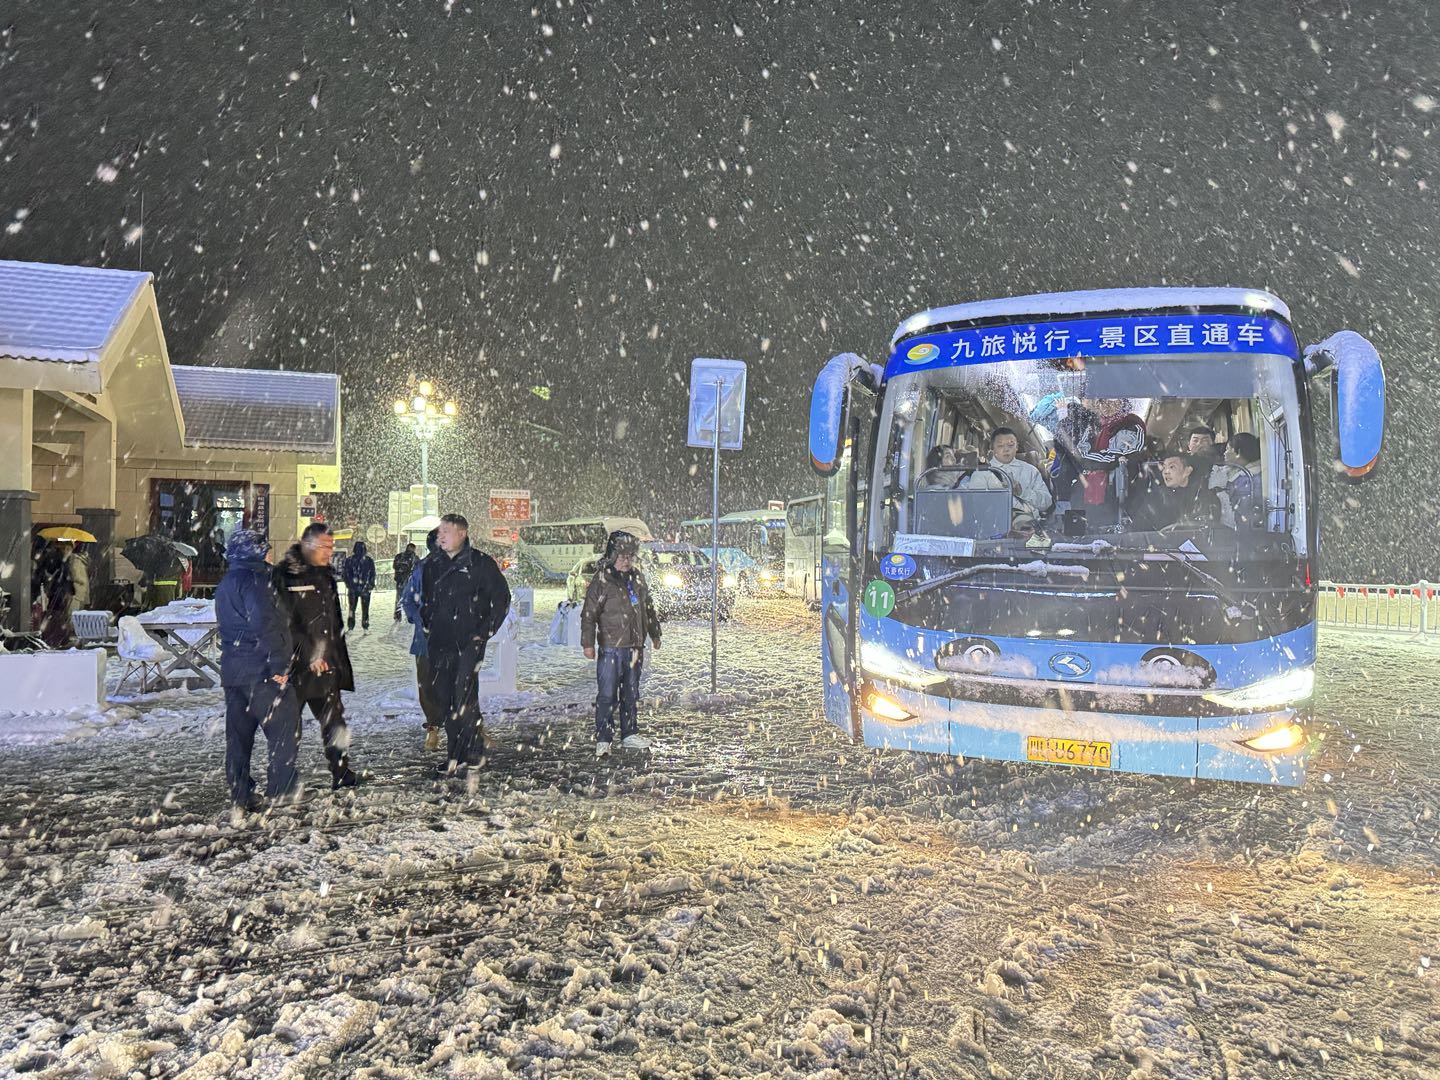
[919, 354]
[1069, 665]
[897, 567]
[878, 599]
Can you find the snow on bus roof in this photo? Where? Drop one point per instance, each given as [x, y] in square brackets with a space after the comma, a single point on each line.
[1092, 302]
[738, 516]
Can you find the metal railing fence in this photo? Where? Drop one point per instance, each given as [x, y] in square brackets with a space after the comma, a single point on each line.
[1408, 609]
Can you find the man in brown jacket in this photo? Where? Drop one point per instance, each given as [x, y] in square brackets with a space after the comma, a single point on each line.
[618, 616]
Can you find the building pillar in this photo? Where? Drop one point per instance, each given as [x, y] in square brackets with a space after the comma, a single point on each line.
[15, 562]
[17, 441]
[99, 521]
[95, 502]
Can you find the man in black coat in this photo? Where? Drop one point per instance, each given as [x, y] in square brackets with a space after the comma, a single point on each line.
[463, 603]
[320, 665]
[1183, 497]
[404, 566]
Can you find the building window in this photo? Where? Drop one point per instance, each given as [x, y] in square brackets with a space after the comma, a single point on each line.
[205, 514]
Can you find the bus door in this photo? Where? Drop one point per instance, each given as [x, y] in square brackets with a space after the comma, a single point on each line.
[842, 558]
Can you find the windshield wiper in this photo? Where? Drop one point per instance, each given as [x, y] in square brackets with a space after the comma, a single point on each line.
[1034, 568]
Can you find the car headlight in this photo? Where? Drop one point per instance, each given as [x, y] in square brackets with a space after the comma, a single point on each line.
[1284, 689]
[885, 707]
[673, 581]
[1285, 737]
[880, 662]
[767, 575]
[728, 581]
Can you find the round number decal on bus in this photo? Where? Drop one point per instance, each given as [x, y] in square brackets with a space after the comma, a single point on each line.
[878, 599]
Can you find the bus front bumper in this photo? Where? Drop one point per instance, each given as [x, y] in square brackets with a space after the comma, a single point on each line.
[1270, 746]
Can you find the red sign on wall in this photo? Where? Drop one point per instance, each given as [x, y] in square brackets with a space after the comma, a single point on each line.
[509, 504]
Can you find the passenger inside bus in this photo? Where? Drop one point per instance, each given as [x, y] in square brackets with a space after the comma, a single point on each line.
[1236, 485]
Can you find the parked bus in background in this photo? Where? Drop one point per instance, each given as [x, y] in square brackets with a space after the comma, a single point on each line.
[752, 546]
[1145, 600]
[548, 550]
[803, 518]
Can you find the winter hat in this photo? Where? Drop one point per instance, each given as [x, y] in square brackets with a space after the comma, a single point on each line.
[246, 545]
[620, 543]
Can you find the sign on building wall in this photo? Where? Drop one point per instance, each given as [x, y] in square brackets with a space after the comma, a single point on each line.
[259, 509]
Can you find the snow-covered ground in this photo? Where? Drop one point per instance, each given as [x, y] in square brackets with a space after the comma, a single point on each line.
[755, 897]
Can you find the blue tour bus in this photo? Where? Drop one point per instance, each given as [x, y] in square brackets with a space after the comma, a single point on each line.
[1080, 529]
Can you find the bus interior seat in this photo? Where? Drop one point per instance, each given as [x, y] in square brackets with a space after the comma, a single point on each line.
[978, 514]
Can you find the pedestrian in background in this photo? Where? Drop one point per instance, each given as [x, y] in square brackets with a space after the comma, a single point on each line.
[320, 661]
[403, 566]
[618, 617]
[52, 593]
[359, 583]
[409, 593]
[255, 657]
[463, 603]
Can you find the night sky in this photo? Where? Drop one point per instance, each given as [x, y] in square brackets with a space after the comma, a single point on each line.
[584, 196]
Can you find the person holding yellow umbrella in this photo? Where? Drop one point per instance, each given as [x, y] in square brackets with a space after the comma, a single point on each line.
[65, 580]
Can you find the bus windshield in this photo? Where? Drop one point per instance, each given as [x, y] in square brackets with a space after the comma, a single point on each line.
[1083, 458]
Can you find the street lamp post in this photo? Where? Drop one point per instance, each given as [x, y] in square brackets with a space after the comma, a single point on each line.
[426, 419]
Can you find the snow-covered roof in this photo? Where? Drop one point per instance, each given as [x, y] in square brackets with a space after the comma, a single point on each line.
[66, 314]
[250, 409]
[1093, 302]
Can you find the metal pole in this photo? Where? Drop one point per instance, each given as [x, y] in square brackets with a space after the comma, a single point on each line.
[715, 544]
[424, 476]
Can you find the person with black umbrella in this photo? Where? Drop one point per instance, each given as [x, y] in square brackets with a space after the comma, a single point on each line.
[320, 666]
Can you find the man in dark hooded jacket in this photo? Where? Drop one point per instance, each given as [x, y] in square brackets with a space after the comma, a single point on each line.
[463, 603]
[360, 583]
[320, 665]
[403, 566]
[255, 655]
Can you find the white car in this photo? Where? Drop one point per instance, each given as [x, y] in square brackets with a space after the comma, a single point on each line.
[678, 576]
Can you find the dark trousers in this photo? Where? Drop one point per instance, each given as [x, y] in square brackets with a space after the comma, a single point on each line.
[424, 681]
[363, 599]
[455, 691]
[334, 731]
[618, 673]
[275, 711]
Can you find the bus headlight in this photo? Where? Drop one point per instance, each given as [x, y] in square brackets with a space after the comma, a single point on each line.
[728, 581]
[768, 575]
[880, 662]
[673, 581]
[884, 707]
[1284, 689]
[1285, 737]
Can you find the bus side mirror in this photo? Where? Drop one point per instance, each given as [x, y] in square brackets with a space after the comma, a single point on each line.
[1358, 390]
[827, 411]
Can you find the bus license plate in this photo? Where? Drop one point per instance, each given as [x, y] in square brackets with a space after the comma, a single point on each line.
[1095, 755]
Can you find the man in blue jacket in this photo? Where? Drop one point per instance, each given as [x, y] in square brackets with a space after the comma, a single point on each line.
[359, 576]
[255, 655]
